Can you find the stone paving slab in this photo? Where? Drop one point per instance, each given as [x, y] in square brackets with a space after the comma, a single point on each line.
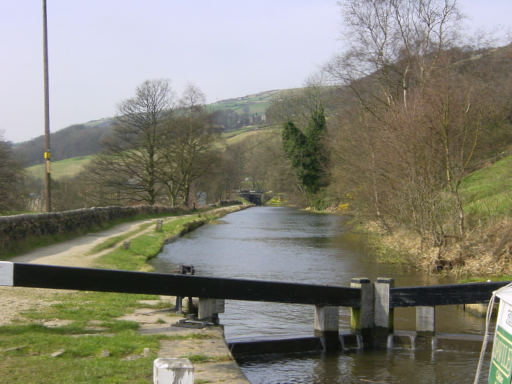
[220, 367]
[205, 347]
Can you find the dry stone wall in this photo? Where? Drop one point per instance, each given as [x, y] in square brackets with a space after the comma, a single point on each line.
[16, 229]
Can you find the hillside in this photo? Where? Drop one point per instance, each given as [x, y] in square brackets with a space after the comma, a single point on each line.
[256, 103]
[61, 168]
[85, 139]
[75, 140]
[72, 166]
[487, 192]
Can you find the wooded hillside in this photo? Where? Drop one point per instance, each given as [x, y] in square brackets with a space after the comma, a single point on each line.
[85, 138]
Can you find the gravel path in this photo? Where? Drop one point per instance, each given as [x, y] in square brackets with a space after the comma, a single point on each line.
[74, 252]
[14, 300]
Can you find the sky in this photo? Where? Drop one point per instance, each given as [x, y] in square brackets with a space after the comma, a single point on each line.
[101, 50]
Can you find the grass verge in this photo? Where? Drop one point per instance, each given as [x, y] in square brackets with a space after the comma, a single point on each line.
[148, 245]
[115, 240]
[195, 359]
[479, 279]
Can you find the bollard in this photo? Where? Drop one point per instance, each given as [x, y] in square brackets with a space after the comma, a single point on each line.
[362, 318]
[126, 244]
[384, 316]
[173, 371]
[159, 224]
[327, 327]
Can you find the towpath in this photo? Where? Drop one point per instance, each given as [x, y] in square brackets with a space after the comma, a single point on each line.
[216, 364]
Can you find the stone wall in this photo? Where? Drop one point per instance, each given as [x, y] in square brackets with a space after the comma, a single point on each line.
[15, 229]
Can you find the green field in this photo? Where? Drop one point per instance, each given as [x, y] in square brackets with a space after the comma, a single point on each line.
[245, 134]
[73, 166]
[63, 168]
[257, 103]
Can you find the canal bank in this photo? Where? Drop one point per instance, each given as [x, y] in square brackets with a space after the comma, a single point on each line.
[84, 337]
[482, 254]
[282, 244]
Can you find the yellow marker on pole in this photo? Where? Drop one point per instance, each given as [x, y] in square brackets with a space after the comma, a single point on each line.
[47, 161]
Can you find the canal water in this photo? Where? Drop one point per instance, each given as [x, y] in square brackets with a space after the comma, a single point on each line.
[284, 244]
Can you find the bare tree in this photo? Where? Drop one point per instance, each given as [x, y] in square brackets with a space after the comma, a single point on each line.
[12, 191]
[230, 172]
[187, 139]
[396, 43]
[461, 107]
[397, 47]
[130, 157]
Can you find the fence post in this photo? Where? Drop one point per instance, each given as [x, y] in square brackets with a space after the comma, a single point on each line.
[173, 371]
[327, 326]
[362, 318]
[384, 316]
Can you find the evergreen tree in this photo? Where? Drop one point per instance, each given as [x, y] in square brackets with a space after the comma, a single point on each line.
[305, 151]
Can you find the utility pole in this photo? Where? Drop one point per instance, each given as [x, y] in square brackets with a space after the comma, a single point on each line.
[47, 200]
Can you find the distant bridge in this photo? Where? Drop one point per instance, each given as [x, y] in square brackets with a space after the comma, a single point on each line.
[254, 197]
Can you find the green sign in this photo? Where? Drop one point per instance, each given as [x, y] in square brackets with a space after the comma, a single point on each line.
[501, 362]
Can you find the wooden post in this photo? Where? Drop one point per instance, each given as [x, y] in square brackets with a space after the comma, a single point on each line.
[362, 318]
[173, 371]
[384, 316]
[327, 326]
[47, 157]
[425, 320]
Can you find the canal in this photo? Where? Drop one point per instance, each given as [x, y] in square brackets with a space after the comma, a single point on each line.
[284, 244]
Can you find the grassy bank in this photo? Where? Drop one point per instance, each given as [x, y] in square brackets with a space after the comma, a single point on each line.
[486, 249]
[81, 337]
[146, 246]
